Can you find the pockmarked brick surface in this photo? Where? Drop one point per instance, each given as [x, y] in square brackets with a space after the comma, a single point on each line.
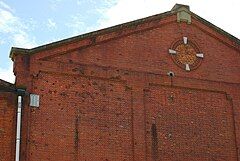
[80, 117]
[7, 126]
[188, 124]
[108, 97]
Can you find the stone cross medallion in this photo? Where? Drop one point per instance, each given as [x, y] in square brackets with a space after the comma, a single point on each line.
[186, 54]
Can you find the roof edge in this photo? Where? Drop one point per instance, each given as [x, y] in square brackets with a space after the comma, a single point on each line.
[216, 28]
[16, 50]
[177, 7]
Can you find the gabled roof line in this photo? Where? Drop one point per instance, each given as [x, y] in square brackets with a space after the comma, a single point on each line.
[16, 50]
[216, 28]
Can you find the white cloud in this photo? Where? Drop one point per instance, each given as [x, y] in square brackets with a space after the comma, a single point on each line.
[15, 28]
[13, 32]
[22, 39]
[2, 42]
[5, 6]
[7, 74]
[55, 4]
[51, 24]
[124, 10]
[220, 13]
[76, 24]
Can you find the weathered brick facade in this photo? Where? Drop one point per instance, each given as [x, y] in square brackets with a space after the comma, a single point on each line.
[7, 122]
[106, 95]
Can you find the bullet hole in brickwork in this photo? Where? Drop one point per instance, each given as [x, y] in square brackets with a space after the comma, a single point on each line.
[118, 114]
[67, 86]
[169, 136]
[53, 83]
[119, 99]
[70, 61]
[62, 108]
[50, 91]
[115, 77]
[102, 88]
[74, 70]
[63, 94]
[170, 99]
[127, 88]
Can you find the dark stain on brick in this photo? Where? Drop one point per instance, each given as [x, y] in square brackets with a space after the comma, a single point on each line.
[26, 62]
[76, 134]
[154, 142]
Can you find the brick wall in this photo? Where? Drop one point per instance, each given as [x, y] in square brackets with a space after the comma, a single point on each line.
[108, 97]
[7, 126]
[188, 124]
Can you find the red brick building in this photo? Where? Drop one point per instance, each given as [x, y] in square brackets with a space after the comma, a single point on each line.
[166, 87]
[8, 104]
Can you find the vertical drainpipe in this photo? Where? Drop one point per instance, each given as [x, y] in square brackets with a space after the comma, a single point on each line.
[20, 93]
[18, 132]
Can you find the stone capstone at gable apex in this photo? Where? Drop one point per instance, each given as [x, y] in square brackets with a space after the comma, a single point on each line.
[178, 7]
[183, 13]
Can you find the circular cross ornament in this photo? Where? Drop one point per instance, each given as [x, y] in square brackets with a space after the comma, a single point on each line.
[186, 54]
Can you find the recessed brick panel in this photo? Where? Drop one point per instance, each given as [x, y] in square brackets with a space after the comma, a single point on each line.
[188, 124]
[81, 119]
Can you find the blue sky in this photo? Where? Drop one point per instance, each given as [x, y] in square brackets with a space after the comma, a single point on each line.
[29, 23]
